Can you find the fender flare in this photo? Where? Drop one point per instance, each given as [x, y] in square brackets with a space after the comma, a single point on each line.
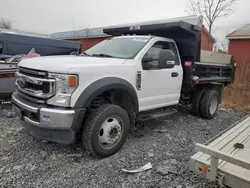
[105, 84]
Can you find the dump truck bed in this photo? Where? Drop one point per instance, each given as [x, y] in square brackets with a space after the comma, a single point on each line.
[200, 66]
[210, 72]
[215, 58]
[226, 158]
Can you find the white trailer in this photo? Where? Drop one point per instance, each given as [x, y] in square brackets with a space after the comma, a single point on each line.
[225, 159]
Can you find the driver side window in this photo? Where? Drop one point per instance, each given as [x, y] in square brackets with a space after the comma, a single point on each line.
[152, 55]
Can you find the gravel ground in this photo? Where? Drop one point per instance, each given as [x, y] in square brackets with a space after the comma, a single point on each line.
[167, 143]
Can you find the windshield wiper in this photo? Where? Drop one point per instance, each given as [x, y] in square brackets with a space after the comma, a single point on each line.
[102, 55]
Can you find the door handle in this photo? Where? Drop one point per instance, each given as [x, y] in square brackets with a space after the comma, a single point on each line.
[175, 74]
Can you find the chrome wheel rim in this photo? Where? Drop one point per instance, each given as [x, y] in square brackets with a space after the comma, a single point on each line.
[110, 131]
[213, 105]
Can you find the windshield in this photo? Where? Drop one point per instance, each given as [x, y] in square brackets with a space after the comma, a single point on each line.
[120, 47]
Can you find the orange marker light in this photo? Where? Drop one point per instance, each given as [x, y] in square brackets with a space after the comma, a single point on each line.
[205, 169]
[72, 81]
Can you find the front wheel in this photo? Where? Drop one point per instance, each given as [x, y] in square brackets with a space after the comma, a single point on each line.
[209, 104]
[105, 130]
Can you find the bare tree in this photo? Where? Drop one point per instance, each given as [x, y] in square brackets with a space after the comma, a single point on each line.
[221, 46]
[5, 24]
[211, 10]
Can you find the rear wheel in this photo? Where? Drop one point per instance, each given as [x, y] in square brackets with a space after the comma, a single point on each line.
[105, 130]
[196, 102]
[209, 104]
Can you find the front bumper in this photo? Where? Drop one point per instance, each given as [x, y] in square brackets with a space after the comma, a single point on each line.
[50, 123]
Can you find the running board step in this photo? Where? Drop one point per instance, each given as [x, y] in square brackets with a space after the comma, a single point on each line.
[155, 115]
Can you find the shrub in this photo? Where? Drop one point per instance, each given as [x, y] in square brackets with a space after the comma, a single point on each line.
[237, 96]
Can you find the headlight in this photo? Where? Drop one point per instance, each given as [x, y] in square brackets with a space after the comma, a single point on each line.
[65, 86]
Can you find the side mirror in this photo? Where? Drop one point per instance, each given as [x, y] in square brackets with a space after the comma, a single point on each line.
[146, 65]
[166, 59]
[147, 59]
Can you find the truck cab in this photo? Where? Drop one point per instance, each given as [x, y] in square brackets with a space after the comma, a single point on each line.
[141, 55]
[100, 94]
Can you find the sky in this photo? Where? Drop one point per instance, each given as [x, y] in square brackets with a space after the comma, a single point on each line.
[49, 16]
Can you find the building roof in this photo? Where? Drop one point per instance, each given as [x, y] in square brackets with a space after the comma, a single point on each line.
[83, 33]
[241, 33]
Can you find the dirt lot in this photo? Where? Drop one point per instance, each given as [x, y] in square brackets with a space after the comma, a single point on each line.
[167, 143]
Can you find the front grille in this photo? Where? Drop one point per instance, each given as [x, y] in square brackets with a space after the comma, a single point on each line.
[34, 85]
[32, 72]
[29, 98]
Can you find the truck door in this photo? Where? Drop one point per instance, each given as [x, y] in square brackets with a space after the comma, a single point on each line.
[160, 87]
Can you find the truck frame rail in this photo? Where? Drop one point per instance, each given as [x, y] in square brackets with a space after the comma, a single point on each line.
[225, 158]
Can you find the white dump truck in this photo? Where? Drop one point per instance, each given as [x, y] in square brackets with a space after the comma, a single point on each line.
[145, 71]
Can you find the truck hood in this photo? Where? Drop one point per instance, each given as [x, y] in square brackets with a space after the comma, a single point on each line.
[63, 64]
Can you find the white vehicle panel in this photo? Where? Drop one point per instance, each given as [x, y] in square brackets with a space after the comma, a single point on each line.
[62, 64]
[88, 75]
[158, 87]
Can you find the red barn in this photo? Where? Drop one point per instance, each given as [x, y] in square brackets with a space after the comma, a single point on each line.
[207, 40]
[88, 37]
[239, 44]
[239, 47]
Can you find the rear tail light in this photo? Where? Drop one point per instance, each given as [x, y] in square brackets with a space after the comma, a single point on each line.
[188, 63]
[7, 75]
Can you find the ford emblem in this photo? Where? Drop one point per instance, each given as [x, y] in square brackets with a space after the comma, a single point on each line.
[21, 82]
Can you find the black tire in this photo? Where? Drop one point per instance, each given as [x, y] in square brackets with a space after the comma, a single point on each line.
[196, 102]
[206, 103]
[91, 129]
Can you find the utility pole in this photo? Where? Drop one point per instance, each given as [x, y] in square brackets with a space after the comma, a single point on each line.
[73, 21]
